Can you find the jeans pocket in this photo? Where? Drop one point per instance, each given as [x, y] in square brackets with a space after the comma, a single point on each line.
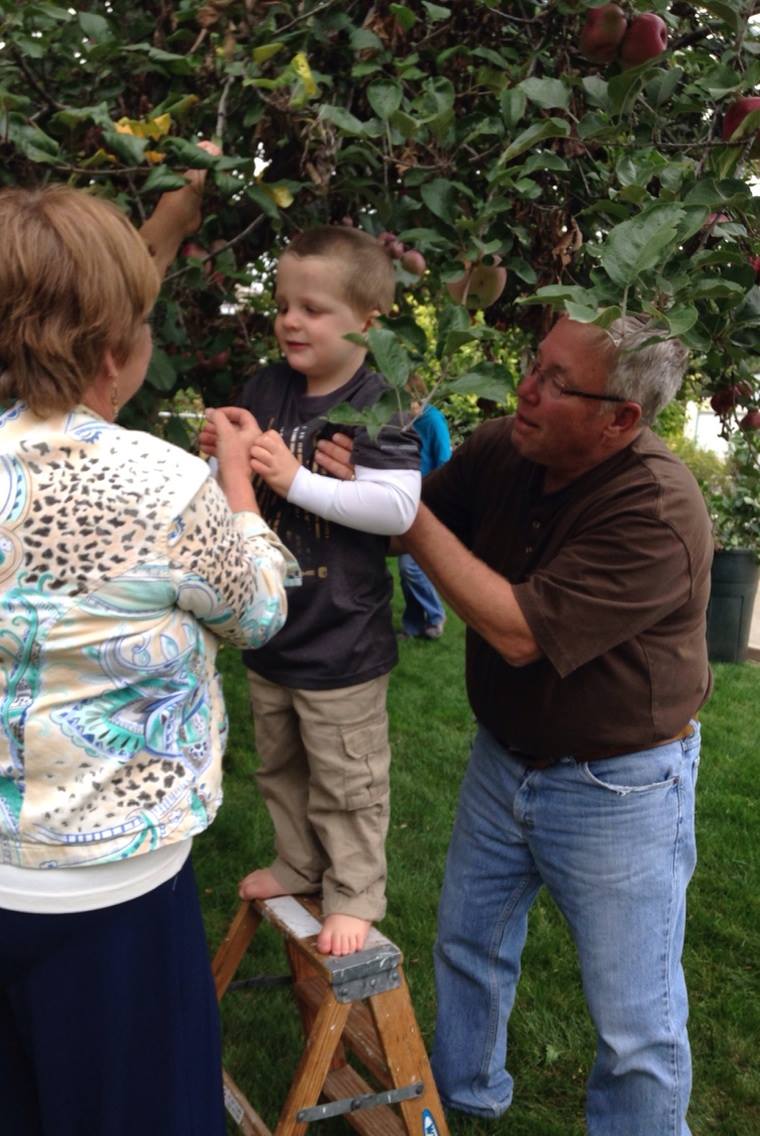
[367, 762]
[643, 772]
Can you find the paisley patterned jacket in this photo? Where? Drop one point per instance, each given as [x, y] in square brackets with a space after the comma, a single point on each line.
[121, 567]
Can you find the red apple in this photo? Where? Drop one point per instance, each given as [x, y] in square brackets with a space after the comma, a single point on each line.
[724, 400]
[750, 421]
[602, 32]
[646, 38]
[482, 283]
[736, 114]
[754, 263]
[213, 362]
[413, 262]
[194, 250]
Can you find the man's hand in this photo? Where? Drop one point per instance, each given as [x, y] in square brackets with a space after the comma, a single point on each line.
[335, 456]
[273, 461]
[177, 215]
[246, 428]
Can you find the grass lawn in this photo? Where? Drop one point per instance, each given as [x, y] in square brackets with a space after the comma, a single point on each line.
[551, 1041]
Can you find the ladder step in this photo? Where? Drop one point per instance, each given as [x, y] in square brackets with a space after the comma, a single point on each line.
[359, 1035]
[241, 1110]
[379, 1121]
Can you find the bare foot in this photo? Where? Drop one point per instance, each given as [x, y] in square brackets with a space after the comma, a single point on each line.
[342, 934]
[261, 884]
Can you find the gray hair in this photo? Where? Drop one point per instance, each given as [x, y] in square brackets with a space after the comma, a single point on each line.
[650, 375]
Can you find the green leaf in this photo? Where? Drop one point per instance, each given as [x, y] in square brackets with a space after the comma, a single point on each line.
[384, 98]
[549, 128]
[189, 154]
[264, 201]
[716, 287]
[662, 87]
[265, 52]
[126, 147]
[637, 245]
[623, 89]
[404, 17]
[436, 12]
[546, 93]
[161, 179]
[491, 381]
[408, 330]
[406, 126]
[440, 197]
[341, 118]
[596, 90]
[391, 358]
[681, 319]
[161, 375]
[513, 103]
[94, 26]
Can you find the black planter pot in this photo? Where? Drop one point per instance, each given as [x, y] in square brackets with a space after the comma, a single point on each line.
[732, 598]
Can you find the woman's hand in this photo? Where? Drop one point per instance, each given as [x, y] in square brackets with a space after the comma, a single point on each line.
[273, 461]
[228, 435]
[246, 428]
[335, 456]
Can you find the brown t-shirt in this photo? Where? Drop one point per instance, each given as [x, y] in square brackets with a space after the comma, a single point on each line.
[612, 574]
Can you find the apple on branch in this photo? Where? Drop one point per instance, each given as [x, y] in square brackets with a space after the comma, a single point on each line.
[602, 33]
[750, 421]
[646, 38]
[481, 285]
[735, 116]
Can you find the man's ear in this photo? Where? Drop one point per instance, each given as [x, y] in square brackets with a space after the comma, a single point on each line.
[370, 319]
[625, 420]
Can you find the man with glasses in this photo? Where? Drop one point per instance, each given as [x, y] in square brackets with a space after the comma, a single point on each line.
[577, 549]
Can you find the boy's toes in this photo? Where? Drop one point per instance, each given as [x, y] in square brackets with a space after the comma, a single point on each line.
[342, 934]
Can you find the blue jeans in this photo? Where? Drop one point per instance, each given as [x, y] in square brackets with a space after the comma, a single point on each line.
[422, 605]
[613, 841]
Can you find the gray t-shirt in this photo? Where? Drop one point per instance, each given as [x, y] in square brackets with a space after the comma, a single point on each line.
[338, 631]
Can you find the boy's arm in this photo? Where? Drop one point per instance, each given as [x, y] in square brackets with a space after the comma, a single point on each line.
[379, 501]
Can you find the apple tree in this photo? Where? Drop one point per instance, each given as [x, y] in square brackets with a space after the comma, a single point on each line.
[517, 158]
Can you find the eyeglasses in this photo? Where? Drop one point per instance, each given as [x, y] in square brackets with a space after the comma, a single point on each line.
[549, 384]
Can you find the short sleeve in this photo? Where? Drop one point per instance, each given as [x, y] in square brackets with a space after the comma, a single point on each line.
[229, 569]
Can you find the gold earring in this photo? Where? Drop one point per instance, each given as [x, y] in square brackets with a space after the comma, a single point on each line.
[115, 398]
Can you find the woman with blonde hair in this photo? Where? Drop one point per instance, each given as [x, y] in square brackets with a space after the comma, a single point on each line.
[122, 563]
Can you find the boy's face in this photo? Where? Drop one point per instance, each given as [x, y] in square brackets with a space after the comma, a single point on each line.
[312, 318]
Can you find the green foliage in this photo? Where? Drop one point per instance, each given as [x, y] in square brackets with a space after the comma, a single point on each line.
[734, 500]
[470, 130]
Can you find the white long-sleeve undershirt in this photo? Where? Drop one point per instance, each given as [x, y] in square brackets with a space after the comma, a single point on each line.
[379, 501]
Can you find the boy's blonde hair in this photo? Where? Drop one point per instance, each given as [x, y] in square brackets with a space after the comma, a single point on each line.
[369, 281]
[76, 280]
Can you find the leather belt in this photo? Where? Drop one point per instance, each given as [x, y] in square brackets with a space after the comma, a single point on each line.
[597, 755]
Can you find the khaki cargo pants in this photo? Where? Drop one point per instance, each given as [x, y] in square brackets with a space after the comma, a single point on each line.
[324, 771]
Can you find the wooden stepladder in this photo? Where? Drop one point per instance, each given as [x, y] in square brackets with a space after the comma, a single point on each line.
[356, 1005]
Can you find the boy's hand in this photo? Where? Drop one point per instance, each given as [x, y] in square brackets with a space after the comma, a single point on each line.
[335, 456]
[247, 430]
[273, 461]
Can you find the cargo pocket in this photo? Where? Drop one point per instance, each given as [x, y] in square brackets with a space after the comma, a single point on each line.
[367, 762]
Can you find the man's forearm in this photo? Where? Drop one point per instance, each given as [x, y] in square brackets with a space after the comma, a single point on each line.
[480, 596]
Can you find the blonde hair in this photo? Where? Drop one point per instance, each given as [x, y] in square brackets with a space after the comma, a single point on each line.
[369, 282]
[76, 280]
